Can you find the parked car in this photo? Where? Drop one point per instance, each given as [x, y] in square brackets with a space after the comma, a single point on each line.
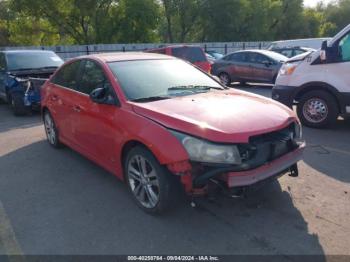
[214, 54]
[210, 58]
[193, 54]
[260, 66]
[22, 72]
[155, 121]
[292, 51]
[318, 83]
[314, 43]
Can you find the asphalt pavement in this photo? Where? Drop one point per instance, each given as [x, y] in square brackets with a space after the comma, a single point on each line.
[58, 202]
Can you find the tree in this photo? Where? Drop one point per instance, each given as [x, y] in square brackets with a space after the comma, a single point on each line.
[138, 21]
[181, 19]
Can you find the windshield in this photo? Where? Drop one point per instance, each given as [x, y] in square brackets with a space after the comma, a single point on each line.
[32, 60]
[164, 78]
[276, 56]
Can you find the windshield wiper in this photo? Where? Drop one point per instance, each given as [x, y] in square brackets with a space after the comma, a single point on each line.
[198, 87]
[150, 98]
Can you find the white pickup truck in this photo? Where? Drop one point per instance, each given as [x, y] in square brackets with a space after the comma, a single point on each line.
[318, 82]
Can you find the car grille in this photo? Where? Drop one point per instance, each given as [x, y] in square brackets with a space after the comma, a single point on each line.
[268, 147]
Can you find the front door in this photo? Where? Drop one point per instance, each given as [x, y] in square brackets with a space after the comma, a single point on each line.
[262, 70]
[338, 71]
[95, 126]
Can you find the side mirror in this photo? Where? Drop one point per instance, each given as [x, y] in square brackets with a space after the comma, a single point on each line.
[102, 95]
[267, 63]
[323, 52]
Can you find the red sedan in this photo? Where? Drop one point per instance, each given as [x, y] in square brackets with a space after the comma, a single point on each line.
[156, 121]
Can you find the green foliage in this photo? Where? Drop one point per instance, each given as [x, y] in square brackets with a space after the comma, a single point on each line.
[53, 22]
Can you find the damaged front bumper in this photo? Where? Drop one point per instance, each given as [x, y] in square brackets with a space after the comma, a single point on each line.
[196, 181]
[277, 167]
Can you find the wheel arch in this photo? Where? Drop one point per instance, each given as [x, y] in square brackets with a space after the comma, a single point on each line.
[320, 86]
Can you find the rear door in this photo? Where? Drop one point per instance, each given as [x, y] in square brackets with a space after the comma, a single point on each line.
[95, 125]
[238, 66]
[62, 93]
[2, 76]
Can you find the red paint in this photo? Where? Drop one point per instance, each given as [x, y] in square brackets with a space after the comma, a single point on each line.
[100, 132]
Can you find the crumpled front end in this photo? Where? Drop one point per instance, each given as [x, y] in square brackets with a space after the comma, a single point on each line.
[265, 156]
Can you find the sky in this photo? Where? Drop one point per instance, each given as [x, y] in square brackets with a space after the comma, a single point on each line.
[313, 3]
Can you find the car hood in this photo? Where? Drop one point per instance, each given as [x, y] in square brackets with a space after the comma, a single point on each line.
[219, 116]
[300, 57]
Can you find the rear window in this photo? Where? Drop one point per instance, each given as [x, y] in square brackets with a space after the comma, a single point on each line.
[191, 53]
[32, 60]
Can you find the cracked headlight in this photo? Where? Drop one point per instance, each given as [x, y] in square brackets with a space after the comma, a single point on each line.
[203, 151]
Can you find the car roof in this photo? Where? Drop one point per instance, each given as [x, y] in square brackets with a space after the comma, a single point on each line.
[268, 53]
[125, 56]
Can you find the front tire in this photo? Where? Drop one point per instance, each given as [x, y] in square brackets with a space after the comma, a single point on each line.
[149, 182]
[17, 104]
[317, 109]
[51, 130]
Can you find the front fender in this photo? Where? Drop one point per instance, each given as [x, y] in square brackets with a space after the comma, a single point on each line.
[164, 145]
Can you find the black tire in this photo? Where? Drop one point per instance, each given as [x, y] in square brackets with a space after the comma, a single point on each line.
[225, 79]
[163, 187]
[51, 130]
[17, 105]
[243, 83]
[326, 106]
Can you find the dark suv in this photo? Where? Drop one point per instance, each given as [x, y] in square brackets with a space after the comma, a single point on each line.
[22, 72]
[193, 54]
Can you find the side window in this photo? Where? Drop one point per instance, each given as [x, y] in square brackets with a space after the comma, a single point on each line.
[2, 61]
[287, 52]
[298, 52]
[256, 58]
[92, 77]
[238, 57]
[67, 76]
[261, 59]
[344, 48]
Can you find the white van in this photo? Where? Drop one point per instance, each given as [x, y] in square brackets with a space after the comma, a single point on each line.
[318, 82]
[314, 43]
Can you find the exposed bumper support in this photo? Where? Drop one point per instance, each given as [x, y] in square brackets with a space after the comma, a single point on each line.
[276, 167]
[235, 177]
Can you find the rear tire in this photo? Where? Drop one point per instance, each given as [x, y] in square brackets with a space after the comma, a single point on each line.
[225, 79]
[317, 109]
[17, 104]
[150, 183]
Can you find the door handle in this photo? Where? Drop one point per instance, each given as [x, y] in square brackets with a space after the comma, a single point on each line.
[54, 98]
[76, 109]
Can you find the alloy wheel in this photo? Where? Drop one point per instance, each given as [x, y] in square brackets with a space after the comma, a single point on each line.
[143, 181]
[50, 129]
